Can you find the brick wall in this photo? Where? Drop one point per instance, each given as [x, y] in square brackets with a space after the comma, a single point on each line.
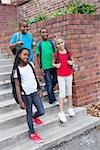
[7, 24]
[82, 34]
[31, 8]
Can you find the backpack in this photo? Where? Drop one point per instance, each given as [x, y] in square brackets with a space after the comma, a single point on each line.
[13, 84]
[19, 78]
[14, 50]
[40, 50]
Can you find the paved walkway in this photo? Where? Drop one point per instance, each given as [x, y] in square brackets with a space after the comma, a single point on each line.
[90, 140]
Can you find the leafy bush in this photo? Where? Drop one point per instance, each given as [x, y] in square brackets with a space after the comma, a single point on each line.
[74, 6]
[59, 12]
[82, 8]
[36, 19]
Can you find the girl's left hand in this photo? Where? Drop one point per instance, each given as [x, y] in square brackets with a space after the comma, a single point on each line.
[40, 92]
[22, 105]
[69, 62]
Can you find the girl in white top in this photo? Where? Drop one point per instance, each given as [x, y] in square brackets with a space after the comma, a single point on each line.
[26, 85]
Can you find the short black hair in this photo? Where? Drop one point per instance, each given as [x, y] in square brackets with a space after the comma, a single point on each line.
[43, 28]
[22, 22]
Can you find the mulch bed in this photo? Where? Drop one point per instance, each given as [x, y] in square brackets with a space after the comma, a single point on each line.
[94, 110]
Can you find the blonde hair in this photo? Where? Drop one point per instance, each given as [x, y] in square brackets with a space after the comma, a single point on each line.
[57, 39]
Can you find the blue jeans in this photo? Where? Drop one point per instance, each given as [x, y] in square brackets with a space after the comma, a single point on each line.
[50, 77]
[35, 99]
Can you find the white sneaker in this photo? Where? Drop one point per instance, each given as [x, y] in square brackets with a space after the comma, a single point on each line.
[71, 112]
[55, 103]
[62, 117]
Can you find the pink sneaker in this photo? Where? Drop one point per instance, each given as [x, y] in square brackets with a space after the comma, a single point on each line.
[36, 137]
[38, 121]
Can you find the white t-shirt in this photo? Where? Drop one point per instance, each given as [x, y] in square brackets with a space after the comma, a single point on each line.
[28, 81]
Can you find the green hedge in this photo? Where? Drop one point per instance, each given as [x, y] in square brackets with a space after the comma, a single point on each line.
[74, 7]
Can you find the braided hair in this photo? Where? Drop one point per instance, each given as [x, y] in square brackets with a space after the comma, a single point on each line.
[17, 59]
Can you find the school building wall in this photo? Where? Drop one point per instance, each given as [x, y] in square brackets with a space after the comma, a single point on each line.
[32, 8]
[38, 7]
[8, 16]
[82, 34]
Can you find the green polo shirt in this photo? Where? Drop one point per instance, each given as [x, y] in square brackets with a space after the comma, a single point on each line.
[47, 54]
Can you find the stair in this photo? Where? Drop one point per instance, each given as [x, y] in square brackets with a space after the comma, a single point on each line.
[13, 127]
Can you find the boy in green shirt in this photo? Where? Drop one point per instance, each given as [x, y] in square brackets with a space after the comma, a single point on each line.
[45, 51]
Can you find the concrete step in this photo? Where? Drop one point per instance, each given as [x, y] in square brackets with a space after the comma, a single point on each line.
[7, 106]
[5, 76]
[20, 130]
[17, 138]
[6, 68]
[6, 95]
[17, 116]
[6, 61]
[10, 104]
[4, 85]
[4, 56]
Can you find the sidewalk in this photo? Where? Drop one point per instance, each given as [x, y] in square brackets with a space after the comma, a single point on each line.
[89, 140]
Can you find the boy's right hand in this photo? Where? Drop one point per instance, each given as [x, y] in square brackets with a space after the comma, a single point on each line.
[19, 43]
[22, 105]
